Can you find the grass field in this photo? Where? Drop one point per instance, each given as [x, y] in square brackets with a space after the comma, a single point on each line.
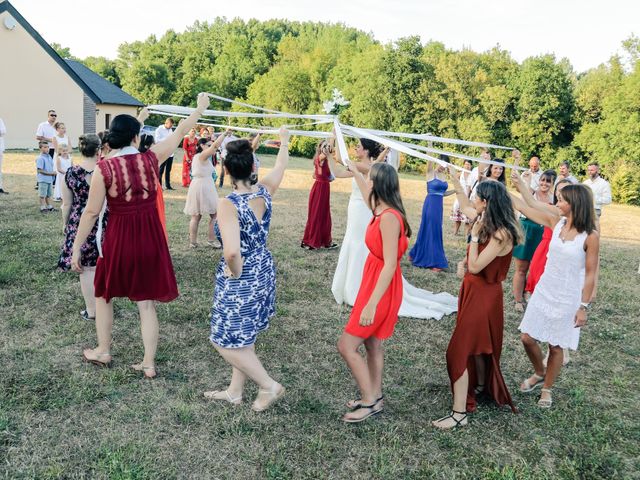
[60, 418]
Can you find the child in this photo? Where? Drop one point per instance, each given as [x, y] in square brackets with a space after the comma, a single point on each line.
[46, 172]
[62, 163]
[375, 311]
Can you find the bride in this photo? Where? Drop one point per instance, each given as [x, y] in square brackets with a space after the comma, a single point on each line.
[416, 303]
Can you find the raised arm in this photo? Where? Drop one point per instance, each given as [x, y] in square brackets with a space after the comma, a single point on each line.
[143, 115]
[230, 233]
[338, 172]
[465, 204]
[383, 155]
[207, 152]
[164, 149]
[97, 195]
[255, 143]
[273, 180]
[530, 207]
[498, 245]
[360, 180]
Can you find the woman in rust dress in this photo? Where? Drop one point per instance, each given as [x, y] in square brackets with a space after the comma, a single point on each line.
[136, 262]
[473, 355]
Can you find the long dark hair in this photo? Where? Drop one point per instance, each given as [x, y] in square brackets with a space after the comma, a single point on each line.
[386, 188]
[583, 213]
[499, 213]
[501, 178]
[200, 145]
[374, 148]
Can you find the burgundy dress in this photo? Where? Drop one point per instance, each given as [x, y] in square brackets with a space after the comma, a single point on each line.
[317, 233]
[136, 261]
[479, 330]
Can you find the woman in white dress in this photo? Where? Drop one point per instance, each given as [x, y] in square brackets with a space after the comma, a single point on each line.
[416, 303]
[202, 197]
[60, 164]
[559, 304]
[456, 214]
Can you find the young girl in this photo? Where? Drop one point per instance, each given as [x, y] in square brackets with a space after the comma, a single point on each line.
[62, 163]
[375, 311]
[202, 197]
[428, 251]
[473, 355]
[245, 293]
[559, 304]
[317, 233]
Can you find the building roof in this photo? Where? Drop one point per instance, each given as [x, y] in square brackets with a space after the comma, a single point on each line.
[92, 84]
[106, 91]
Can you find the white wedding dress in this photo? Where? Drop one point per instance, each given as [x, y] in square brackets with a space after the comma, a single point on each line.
[416, 303]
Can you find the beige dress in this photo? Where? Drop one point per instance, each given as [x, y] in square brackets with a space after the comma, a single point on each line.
[202, 197]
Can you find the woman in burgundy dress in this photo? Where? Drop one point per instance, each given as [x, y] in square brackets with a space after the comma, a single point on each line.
[136, 261]
[473, 355]
[317, 233]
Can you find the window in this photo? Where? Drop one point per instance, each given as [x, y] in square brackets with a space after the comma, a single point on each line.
[107, 121]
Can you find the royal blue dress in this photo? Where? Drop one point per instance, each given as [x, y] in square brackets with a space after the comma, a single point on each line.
[243, 306]
[428, 251]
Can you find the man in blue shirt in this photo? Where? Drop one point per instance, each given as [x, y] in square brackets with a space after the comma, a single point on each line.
[46, 172]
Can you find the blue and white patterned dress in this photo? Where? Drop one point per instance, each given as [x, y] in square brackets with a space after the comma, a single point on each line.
[242, 307]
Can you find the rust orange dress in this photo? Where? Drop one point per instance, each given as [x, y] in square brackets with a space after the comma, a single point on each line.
[479, 330]
[386, 316]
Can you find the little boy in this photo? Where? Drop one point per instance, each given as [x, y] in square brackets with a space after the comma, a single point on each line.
[46, 172]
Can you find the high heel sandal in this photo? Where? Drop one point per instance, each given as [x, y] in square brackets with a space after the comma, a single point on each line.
[96, 361]
[459, 422]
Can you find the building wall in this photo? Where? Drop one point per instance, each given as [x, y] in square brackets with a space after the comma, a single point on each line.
[31, 83]
[111, 110]
[89, 114]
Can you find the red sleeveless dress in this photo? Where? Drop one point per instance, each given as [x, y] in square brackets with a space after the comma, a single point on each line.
[538, 261]
[479, 330]
[136, 261]
[317, 233]
[386, 316]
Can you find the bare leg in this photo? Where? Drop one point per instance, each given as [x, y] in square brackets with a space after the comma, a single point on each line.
[193, 229]
[88, 292]
[212, 223]
[150, 330]
[460, 389]
[553, 366]
[375, 364]
[348, 347]
[104, 326]
[519, 278]
[534, 353]
[456, 230]
[481, 372]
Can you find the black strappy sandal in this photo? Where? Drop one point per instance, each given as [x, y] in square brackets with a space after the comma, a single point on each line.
[459, 422]
[351, 405]
[372, 412]
[479, 390]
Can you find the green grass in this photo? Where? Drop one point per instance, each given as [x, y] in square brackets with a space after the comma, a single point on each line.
[60, 418]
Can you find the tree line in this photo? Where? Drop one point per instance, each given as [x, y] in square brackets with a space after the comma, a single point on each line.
[541, 106]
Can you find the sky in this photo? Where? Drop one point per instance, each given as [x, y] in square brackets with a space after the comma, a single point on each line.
[587, 32]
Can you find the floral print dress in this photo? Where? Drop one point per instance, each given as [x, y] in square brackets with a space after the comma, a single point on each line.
[76, 180]
[243, 306]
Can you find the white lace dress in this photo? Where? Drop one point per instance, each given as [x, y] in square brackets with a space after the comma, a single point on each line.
[552, 308]
[416, 303]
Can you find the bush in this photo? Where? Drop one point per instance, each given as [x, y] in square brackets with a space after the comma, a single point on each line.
[303, 146]
[625, 184]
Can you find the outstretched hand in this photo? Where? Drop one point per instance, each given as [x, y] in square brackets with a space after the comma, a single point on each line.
[284, 135]
[202, 101]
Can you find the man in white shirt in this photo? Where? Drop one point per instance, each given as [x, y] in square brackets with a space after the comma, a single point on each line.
[223, 154]
[536, 173]
[46, 130]
[564, 172]
[163, 132]
[3, 132]
[599, 186]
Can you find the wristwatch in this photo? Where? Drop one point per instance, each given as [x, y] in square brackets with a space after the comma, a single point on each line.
[584, 306]
[475, 239]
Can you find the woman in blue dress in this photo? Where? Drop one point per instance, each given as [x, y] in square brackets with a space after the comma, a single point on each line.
[428, 251]
[245, 292]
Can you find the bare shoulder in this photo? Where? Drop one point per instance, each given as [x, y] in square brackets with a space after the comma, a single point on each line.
[389, 219]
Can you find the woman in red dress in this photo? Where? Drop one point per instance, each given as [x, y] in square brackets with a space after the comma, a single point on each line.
[317, 233]
[473, 355]
[189, 145]
[136, 261]
[375, 311]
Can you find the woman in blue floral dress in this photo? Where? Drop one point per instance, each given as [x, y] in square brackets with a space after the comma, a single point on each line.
[75, 192]
[245, 292]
